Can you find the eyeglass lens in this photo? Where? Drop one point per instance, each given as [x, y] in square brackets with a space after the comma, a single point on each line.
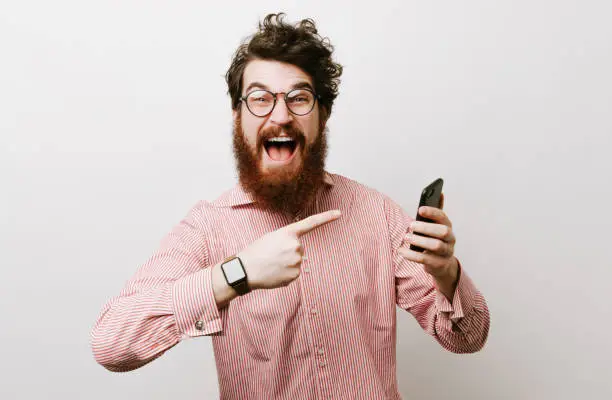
[299, 101]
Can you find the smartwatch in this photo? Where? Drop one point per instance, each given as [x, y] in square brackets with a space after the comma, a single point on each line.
[235, 275]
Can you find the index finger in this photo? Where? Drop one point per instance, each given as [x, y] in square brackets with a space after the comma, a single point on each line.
[314, 221]
[435, 214]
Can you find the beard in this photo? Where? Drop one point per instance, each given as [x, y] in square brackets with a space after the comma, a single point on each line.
[288, 189]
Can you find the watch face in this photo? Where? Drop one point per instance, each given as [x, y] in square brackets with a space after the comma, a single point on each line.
[233, 271]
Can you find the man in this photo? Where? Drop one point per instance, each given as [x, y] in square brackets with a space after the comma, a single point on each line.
[230, 269]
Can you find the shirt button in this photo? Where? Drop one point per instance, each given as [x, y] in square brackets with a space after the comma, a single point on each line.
[322, 363]
[314, 311]
[199, 325]
[321, 351]
[307, 270]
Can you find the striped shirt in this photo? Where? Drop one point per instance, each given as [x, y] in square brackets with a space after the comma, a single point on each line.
[329, 334]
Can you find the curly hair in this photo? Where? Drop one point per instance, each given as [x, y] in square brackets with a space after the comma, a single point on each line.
[299, 45]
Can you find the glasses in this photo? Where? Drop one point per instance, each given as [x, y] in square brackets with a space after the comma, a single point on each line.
[261, 102]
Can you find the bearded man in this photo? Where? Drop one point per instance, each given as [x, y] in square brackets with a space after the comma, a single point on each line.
[230, 268]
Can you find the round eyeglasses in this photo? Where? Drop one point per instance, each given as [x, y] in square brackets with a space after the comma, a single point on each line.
[261, 102]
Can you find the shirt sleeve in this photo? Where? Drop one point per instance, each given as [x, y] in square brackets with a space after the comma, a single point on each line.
[169, 298]
[461, 326]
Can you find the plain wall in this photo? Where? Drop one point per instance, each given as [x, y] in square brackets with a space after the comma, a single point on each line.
[114, 121]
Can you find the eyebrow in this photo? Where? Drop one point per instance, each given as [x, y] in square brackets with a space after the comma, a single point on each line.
[297, 85]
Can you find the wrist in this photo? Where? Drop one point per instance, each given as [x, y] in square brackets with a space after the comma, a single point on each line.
[447, 283]
[223, 292]
[452, 273]
[236, 275]
[246, 265]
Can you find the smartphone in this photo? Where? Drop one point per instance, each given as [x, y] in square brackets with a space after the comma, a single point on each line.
[430, 196]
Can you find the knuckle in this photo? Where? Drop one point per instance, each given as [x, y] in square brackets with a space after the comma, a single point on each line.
[448, 250]
[297, 260]
[438, 245]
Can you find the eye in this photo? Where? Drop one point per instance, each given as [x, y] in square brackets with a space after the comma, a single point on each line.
[299, 97]
[260, 97]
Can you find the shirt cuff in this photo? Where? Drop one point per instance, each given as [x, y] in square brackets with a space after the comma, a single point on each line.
[463, 298]
[195, 307]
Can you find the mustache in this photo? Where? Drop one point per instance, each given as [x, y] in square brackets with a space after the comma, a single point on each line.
[291, 131]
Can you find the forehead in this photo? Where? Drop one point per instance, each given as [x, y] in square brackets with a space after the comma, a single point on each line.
[273, 75]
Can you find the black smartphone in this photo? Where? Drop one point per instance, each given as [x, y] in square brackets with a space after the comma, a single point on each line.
[430, 196]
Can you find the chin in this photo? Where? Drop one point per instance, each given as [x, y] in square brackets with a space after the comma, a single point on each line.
[278, 175]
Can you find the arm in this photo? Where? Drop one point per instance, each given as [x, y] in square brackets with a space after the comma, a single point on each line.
[459, 321]
[163, 302]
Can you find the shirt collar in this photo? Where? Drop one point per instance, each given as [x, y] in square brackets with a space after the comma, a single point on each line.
[237, 196]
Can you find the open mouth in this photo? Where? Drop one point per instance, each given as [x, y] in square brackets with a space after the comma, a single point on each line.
[281, 149]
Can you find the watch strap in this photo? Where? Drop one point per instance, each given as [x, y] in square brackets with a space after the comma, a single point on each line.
[242, 288]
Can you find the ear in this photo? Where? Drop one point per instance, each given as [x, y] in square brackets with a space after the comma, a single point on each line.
[323, 117]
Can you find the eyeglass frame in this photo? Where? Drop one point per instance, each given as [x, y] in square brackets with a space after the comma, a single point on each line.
[285, 97]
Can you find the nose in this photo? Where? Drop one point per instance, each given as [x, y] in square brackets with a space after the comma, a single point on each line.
[281, 114]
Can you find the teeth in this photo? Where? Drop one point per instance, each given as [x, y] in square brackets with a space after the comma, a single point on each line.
[280, 139]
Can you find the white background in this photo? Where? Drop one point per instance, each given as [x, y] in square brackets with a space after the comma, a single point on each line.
[114, 121]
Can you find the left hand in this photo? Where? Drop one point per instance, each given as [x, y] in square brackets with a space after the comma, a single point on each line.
[438, 258]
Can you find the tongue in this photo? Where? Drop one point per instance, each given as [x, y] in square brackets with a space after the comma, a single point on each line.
[279, 152]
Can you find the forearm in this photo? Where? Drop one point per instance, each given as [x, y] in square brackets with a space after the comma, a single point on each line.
[134, 329]
[140, 325]
[460, 325]
[447, 284]
[462, 321]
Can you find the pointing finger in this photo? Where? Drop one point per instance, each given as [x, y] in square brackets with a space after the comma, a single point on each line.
[314, 221]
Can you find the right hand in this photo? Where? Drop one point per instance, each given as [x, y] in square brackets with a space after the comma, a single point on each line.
[274, 259]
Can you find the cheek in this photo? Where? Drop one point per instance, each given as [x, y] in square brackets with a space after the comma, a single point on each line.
[311, 130]
[251, 130]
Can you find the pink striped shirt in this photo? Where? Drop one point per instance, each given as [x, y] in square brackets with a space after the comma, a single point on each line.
[330, 334]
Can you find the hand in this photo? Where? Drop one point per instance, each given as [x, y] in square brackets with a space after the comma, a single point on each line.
[438, 258]
[274, 259]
